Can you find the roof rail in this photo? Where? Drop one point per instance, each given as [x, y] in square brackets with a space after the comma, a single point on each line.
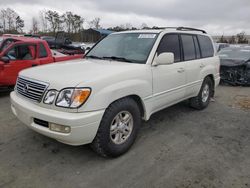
[190, 29]
[182, 29]
[166, 27]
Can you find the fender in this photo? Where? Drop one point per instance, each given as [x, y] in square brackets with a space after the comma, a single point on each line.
[101, 99]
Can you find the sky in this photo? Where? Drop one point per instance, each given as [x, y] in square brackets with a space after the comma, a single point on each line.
[217, 17]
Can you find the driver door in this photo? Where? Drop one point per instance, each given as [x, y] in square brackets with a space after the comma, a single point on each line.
[20, 57]
[169, 80]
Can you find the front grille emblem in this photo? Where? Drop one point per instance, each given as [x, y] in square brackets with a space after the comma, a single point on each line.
[26, 88]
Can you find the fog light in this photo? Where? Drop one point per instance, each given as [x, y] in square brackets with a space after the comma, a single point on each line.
[59, 128]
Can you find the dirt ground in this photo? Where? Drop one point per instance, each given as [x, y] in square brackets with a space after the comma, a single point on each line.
[179, 147]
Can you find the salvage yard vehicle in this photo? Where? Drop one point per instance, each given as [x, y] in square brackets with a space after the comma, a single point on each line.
[220, 46]
[18, 53]
[125, 78]
[235, 65]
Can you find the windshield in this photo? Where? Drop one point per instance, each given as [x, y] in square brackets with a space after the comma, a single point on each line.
[128, 47]
[5, 43]
[235, 53]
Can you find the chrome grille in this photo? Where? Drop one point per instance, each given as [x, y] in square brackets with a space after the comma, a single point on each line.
[31, 89]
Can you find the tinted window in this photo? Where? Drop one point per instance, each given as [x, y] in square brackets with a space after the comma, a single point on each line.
[42, 51]
[170, 43]
[197, 48]
[188, 47]
[206, 46]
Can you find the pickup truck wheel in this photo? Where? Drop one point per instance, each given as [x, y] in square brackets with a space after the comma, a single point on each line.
[118, 128]
[202, 100]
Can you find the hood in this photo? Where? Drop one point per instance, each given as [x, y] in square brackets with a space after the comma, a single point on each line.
[71, 73]
[232, 62]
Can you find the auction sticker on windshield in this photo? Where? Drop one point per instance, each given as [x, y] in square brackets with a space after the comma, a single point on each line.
[147, 36]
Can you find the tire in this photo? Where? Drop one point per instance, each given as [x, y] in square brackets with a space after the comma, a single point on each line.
[114, 138]
[201, 101]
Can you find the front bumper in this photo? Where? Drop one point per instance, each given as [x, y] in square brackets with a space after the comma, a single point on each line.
[84, 126]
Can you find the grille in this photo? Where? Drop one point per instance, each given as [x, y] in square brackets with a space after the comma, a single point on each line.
[31, 89]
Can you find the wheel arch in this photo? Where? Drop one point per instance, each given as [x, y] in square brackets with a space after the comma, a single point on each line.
[139, 102]
[211, 76]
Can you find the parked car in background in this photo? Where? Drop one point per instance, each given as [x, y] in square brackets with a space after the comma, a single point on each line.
[18, 53]
[62, 43]
[125, 78]
[220, 46]
[235, 65]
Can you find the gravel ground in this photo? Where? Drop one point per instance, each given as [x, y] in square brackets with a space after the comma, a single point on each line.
[179, 147]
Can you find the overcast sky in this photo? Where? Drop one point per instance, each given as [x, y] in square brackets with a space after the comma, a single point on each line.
[216, 16]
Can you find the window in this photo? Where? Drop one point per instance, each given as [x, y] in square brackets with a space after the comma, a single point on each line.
[170, 43]
[197, 48]
[188, 47]
[42, 51]
[206, 46]
[21, 52]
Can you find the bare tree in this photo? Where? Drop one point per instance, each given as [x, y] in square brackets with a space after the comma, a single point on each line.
[55, 20]
[95, 23]
[242, 38]
[19, 24]
[232, 40]
[3, 19]
[35, 28]
[144, 26]
[10, 21]
[128, 26]
[43, 21]
[78, 22]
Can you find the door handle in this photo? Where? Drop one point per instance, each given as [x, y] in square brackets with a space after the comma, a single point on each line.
[202, 65]
[180, 70]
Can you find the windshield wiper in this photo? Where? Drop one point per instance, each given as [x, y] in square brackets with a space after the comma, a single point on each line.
[118, 58]
[94, 57]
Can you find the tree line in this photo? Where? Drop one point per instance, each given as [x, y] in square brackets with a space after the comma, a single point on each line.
[48, 22]
[240, 38]
[10, 21]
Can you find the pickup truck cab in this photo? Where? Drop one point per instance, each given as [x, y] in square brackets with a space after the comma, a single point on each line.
[124, 79]
[18, 53]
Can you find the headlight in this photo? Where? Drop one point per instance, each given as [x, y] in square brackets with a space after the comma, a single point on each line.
[73, 97]
[50, 97]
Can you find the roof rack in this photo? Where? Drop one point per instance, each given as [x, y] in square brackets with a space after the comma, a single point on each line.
[190, 29]
[182, 29]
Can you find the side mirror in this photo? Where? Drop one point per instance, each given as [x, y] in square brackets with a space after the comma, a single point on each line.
[5, 59]
[165, 58]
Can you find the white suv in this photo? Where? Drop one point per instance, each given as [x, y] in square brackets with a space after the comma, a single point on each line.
[126, 77]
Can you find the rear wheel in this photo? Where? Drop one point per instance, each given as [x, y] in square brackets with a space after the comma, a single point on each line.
[118, 128]
[202, 100]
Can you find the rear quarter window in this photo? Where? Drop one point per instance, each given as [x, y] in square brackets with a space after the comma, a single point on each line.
[206, 46]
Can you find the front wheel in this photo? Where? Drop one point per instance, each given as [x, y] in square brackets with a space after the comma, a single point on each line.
[202, 100]
[118, 128]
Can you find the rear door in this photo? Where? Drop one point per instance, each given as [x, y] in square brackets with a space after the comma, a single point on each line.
[192, 57]
[21, 56]
[197, 52]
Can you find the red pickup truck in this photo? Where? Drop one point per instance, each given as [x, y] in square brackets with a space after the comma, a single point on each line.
[18, 53]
